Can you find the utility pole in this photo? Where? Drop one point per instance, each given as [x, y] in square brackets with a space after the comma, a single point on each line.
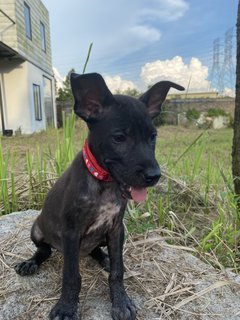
[216, 74]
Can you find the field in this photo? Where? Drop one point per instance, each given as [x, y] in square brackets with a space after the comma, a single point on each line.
[193, 203]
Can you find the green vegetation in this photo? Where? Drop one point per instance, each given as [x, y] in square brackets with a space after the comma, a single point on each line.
[192, 114]
[65, 93]
[130, 92]
[194, 203]
[216, 112]
[31, 164]
[161, 119]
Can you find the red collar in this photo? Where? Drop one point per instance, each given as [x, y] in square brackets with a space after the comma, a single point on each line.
[92, 165]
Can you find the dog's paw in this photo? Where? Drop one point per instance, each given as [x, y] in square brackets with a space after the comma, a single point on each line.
[26, 268]
[124, 309]
[64, 311]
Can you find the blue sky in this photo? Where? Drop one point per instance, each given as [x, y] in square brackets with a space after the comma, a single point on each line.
[127, 35]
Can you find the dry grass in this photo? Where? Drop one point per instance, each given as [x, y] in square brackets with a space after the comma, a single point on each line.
[158, 275]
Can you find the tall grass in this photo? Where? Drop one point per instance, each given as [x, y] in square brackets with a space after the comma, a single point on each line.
[7, 181]
[194, 203]
[65, 152]
[28, 189]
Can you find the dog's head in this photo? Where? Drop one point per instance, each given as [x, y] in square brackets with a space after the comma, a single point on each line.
[122, 136]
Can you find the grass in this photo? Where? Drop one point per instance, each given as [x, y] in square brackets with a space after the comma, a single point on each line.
[194, 203]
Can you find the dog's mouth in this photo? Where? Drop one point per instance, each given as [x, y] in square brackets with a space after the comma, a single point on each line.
[136, 194]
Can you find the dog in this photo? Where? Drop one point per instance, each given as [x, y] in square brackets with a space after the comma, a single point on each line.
[84, 209]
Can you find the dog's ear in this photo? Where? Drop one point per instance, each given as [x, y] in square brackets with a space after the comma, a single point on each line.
[156, 95]
[91, 95]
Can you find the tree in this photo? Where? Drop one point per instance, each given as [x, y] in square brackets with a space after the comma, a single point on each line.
[65, 93]
[130, 92]
[236, 126]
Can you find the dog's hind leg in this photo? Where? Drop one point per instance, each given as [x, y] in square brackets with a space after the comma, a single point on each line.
[101, 257]
[31, 265]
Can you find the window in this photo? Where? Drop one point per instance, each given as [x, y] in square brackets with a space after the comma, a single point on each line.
[27, 18]
[43, 38]
[37, 102]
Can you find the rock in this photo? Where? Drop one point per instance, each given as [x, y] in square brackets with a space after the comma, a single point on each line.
[217, 122]
[166, 282]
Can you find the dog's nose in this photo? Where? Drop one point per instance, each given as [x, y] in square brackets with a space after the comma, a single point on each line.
[152, 176]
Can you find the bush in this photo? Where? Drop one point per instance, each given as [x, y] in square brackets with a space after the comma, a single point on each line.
[216, 112]
[166, 117]
[192, 114]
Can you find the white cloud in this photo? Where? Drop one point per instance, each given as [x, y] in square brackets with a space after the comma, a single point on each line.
[145, 33]
[133, 27]
[59, 79]
[116, 83]
[126, 40]
[229, 92]
[177, 71]
[116, 28]
[166, 10]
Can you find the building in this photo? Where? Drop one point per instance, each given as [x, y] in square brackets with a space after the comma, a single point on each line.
[27, 101]
[194, 95]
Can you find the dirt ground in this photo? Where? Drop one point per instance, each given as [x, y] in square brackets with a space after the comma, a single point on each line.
[165, 281]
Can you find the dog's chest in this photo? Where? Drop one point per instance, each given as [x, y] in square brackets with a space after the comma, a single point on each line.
[105, 216]
[103, 210]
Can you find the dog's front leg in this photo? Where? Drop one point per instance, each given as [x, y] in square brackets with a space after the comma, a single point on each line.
[122, 306]
[66, 308]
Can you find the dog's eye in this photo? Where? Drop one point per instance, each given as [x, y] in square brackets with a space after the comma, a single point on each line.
[118, 138]
[153, 136]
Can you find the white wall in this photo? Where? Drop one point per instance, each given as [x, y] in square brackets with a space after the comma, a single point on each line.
[18, 102]
[35, 76]
[15, 98]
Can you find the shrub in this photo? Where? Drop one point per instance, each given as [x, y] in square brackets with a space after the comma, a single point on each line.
[160, 120]
[192, 114]
[216, 112]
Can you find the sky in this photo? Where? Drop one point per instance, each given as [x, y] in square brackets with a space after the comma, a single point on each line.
[139, 42]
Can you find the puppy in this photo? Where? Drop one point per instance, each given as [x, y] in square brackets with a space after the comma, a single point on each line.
[84, 209]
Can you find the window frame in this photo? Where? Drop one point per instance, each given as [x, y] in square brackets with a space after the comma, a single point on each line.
[43, 36]
[37, 103]
[27, 21]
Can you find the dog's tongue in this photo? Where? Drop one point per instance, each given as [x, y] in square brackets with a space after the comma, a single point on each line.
[139, 194]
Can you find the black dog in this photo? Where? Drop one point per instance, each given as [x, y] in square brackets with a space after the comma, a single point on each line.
[84, 209]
